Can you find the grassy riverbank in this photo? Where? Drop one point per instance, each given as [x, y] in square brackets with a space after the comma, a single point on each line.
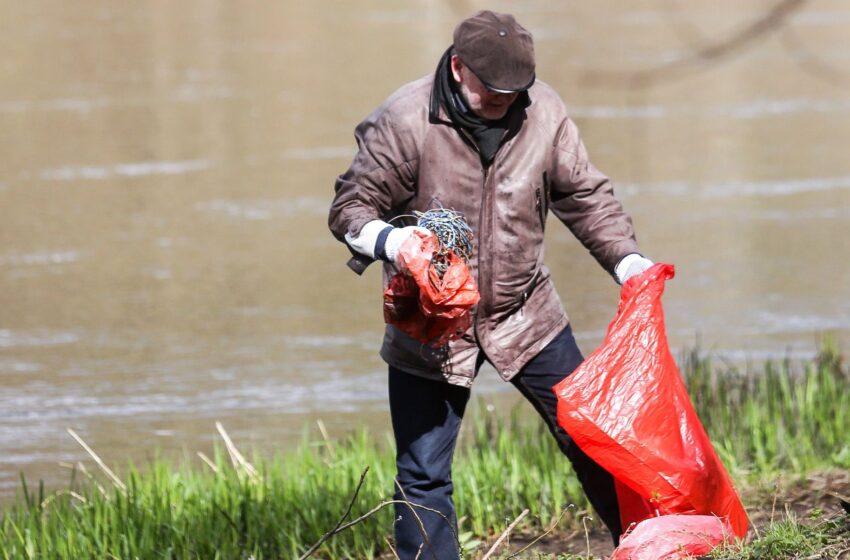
[784, 417]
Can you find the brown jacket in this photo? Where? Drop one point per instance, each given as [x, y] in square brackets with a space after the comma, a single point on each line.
[408, 160]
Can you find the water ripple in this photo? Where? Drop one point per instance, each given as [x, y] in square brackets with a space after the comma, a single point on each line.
[133, 169]
[748, 110]
[13, 339]
[324, 152]
[737, 188]
[264, 209]
[37, 259]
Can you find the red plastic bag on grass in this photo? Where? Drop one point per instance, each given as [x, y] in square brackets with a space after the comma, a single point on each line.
[627, 408]
[426, 306]
[672, 537]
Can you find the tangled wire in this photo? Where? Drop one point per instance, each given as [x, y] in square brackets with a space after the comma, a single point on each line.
[453, 233]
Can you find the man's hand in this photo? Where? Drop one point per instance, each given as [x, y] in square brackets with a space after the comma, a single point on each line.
[396, 239]
[380, 240]
[364, 242]
[631, 265]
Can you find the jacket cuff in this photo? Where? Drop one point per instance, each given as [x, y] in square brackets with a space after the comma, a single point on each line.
[381, 242]
[366, 240]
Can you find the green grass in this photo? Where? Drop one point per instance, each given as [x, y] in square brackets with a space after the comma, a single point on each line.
[821, 537]
[783, 418]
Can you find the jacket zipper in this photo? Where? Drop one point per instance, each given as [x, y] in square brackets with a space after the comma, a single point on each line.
[484, 289]
[484, 257]
[539, 204]
[543, 200]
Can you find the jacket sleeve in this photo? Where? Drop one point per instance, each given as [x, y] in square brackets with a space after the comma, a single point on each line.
[582, 197]
[381, 177]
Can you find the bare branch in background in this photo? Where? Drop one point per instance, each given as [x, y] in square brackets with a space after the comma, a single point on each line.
[807, 59]
[461, 8]
[810, 62]
[683, 26]
[702, 57]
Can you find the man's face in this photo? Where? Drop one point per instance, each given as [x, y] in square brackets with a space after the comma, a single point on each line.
[483, 102]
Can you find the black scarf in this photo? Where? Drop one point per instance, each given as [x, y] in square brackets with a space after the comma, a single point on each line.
[488, 135]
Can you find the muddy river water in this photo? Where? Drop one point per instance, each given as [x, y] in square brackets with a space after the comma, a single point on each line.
[166, 168]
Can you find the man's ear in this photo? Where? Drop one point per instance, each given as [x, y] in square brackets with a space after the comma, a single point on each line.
[456, 65]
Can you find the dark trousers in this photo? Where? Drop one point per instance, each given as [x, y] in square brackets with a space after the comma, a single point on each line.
[426, 417]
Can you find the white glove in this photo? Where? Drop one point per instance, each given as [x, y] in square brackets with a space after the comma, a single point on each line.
[631, 265]
[366, 241]
[397, 237]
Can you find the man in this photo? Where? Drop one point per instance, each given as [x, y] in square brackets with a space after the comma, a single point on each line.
[483, 137]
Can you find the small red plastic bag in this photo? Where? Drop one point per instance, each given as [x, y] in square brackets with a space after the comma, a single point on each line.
[672, 537]
[442, 304]
[627, 407]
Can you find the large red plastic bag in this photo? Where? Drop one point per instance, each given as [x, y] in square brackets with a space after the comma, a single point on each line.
[672, 537]
[627, 408]
[428, 306]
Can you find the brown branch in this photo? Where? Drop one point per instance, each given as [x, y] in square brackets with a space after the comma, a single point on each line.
[340, 527]
[389, 544]
[584, 521]
[368, 514]
[711, 53]
[542, 535]
[422, 530]
[505, 534]
[336, 529]
[810, 62]
[684, 27]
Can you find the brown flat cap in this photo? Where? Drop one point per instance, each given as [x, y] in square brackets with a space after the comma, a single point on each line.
[498, 50]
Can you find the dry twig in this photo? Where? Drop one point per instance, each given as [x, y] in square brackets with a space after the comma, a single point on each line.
[505, 534]
[236, 457]
[375, 510]
[328, 443]
[542, 535]
[772, 20]
[392, 549]
[584, 521]
[71, 493]
[87, 474]
[333, 531]
[419, 521]
[100, 463]
[340, 527]
[208, 462]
